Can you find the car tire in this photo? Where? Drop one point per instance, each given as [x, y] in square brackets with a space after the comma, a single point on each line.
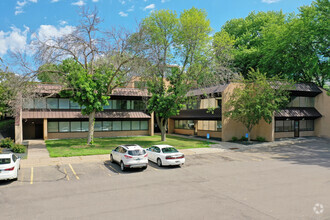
[111, 158]
[122, 166]
[143, 168]
[159, 162]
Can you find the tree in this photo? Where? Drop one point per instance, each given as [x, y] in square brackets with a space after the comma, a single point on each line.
[248, 34]
[299, 49]
[256, 98]
[93, 63]
[176, 51]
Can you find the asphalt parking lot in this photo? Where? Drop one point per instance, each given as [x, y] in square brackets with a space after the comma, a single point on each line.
[284, 182]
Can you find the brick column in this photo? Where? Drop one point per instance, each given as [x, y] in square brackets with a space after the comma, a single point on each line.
[45, 129]
[151, 125]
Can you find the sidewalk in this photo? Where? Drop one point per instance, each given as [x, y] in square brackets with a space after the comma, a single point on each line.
[38, 156]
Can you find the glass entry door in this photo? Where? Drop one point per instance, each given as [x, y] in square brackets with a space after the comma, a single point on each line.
[296, 128]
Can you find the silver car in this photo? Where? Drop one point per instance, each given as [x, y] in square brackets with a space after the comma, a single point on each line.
[130, 156]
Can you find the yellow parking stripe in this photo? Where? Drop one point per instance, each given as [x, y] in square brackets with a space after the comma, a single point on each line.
[66, 174]
[113, 169]
[31, 182]
[77, 177]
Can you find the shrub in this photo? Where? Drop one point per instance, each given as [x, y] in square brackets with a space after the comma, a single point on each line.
[234, 139]
[6, 143]
[18, 148]
[261, 139]
[243, 138]
[0, 150]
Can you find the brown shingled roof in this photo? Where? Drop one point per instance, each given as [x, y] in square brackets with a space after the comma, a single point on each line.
[298, 113]
[77, 114]
[55, 88]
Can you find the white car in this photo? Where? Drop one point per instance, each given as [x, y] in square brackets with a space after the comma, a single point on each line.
[9, 166]
[165, 155]
[130, 156]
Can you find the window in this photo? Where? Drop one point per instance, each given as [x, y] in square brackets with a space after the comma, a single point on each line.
[75, 126]
[288, 125]
[84, 125]
[306, 125]
[144, 125]
[14, 157]
[107, 126]
[40, 103]
[64, 104]
[52, 126]
[279, 125]
[98, 126]
[117, 125]
[28, 103]
[109, 106]
[301, 101]
[284, 125]
[135, 125]
[219, 125]
[126, 125]
[184, 124]
[74, 105]
[64, 126]
[52, 103]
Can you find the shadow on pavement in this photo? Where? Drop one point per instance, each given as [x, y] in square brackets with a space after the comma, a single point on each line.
[313, 151]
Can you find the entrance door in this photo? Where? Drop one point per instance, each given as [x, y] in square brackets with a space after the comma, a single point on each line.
[296, 128]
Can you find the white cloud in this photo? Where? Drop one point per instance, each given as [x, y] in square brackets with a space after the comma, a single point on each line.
[47, 32]
[122, 2]
[79, 3]
[95, 0]
[131, 8]
[20, 5]
[54, 1]
[163, 1]
[149, 7]
[123, 14]
[13, 40]
[270, 1]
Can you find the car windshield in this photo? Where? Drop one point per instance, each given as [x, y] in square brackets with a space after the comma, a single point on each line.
[5, 161]
[137, 152]
[169, 150]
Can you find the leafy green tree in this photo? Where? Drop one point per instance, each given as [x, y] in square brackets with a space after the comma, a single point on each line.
[256, 97]
[248, 34]
[176, 49]
[299, 49]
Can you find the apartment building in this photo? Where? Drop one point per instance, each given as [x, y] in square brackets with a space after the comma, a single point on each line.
[51, 117]
[307, 114]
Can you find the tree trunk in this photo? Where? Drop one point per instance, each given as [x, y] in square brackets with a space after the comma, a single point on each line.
[162, 126]
[90, 138]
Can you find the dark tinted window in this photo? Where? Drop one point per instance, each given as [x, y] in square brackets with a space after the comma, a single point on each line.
[169, 150]
[137, 152]
[157, 150]
[14, 158]
[5, 161]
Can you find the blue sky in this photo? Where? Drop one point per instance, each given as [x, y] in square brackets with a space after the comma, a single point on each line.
[19, 19]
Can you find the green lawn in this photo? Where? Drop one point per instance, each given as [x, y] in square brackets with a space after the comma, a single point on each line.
[78, 147]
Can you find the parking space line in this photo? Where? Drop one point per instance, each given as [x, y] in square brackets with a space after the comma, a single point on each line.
[31, 182]
[66, 174]
[113, 169]
[77, 177]
[154, 168]
[104, 170]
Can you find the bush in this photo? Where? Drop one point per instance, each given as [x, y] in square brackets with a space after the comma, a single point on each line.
[18, 148]
[261, 139]
[7, 143]
[234, 139]
[0, 150]
[243, 138]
